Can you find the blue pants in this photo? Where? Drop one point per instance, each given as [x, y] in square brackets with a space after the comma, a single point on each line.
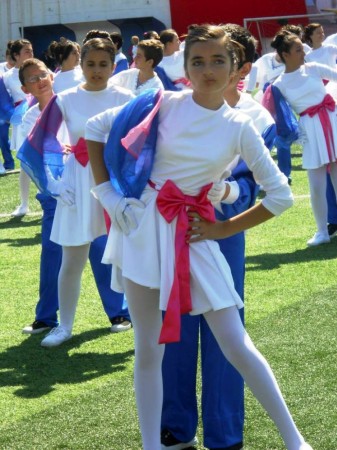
[283, 157]
[222, 386]
[332, 202]
[51, 257]
[5, 146]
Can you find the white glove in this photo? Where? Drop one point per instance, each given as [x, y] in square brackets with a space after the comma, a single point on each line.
[217, 191]
[60, 190]
[119, 208]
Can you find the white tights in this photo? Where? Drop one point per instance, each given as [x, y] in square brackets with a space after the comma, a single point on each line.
[24, 183]
[317, 185]
[69, 282]
[236, 346]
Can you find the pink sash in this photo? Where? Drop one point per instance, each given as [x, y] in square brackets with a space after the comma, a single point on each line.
[328, 104]
[171, 203]
[81, 152]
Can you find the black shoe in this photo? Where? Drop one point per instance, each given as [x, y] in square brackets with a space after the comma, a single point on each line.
[238, 446]
[119, 324]
[36, 327]
[170, 442]
[332, 229]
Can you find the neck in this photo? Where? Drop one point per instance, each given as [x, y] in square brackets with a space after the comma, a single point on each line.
[43, 102]
[65, 67]
[291, 68]
[232, 96]
[316, 46]
[213, 102]
[145, 74]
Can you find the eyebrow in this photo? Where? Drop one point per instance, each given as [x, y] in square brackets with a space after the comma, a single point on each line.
[213, 56]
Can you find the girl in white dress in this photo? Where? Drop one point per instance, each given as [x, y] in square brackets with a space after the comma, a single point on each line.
[67, 56]
[20, 51]
[75, 227]
[302, 86]
[198, 136]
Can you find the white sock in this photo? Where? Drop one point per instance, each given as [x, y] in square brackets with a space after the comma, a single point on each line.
[69, 282]
[24, 183]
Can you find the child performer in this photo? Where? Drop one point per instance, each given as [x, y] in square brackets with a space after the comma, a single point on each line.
[76, 226]
[223, 418]
[302, 86]
[20, 50]
[37, 81]
[67, 56]
[148, 56]
[198, 136]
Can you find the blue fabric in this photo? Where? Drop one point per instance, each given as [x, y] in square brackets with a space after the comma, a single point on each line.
[167, 82]
[129, 175]
[41, 148]
[286, 122]
[332, 202]
[5, 146]
[6, 103]
[120, 66]
[19, 111]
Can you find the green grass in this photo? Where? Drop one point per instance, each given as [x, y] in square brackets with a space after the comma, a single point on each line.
[80, 396]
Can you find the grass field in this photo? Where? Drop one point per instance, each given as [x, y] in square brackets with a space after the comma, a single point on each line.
[80, 396]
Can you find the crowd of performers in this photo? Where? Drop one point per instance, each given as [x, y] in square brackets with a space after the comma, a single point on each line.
[151, 168]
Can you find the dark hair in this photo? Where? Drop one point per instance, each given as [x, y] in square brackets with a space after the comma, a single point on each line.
[99, 44]
[28, 63]
[206, 32]
[295, 29]
[117, 39]
[245, 38]
[61, 50]
[151, 35]
[153, 49]
[8, 49]
[308, 31]
[167, 36]
[282, 42]
[17, 46]
[96, 34]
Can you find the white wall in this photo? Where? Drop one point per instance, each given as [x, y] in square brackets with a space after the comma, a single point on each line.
[15, 14]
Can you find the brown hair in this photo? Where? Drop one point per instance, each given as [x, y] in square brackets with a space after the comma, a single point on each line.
[153, 49]
[28, 63]
[99, 44]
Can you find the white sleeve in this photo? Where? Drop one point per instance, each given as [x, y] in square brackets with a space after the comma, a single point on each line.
[321, 70]
[252, 79]
[98, 127]
[266, 173]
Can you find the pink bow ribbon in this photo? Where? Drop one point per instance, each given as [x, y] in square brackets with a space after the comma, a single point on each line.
[81, 152]
[171, 203]
[328, 104]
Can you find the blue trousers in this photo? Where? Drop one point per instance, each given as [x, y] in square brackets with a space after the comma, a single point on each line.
[222, 387]
[5, 146]
[332, 202]
[114, 304]
[283, 157]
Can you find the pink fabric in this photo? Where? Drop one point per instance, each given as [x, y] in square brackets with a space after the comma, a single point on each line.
[136, 137]
[184, 81]
[171, 203]
[81, 152]
[328, 104]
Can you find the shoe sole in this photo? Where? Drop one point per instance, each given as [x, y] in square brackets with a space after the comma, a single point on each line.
[181, 445]
[120, 330]
[37, 331]
[316, 245]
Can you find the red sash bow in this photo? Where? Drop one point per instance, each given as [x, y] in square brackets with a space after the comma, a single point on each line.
[81, 152]
[328, 104]
[171, 203]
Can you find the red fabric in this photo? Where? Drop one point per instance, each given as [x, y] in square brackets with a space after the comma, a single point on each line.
[184, 81]
[171, 203]
[81, 152]
[328, 104]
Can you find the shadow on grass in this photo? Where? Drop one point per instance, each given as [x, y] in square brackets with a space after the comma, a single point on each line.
[36, 370]
[20, 222]
[268, 261]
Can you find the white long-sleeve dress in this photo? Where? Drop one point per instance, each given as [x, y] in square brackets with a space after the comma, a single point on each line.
[302, 89]
[194, 147]
[84, 222]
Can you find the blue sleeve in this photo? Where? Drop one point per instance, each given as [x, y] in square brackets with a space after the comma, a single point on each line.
[121, 65]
